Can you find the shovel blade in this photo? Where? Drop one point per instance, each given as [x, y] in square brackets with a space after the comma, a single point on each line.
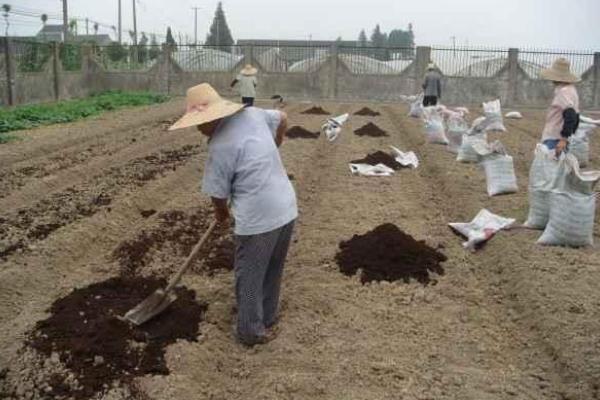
[153, 305]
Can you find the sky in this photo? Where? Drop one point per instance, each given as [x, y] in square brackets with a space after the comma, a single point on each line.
[551, 24]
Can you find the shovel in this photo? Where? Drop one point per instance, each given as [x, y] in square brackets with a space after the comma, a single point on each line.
[158, 301]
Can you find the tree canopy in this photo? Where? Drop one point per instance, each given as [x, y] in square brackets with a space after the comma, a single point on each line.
[219, 34]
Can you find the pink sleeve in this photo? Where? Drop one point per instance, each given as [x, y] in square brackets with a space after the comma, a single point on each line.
[565, 98]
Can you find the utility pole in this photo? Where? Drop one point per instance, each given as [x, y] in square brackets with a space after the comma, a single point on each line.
[135, 42]
[120, 25]
[87, 30]
[65, 21]
[195, 24]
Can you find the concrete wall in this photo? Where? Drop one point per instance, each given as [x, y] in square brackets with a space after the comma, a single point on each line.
[333, 80]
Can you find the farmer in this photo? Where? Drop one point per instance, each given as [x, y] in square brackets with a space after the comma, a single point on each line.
[244, 168]
[562, 118]
[432, 86]
[247, 81]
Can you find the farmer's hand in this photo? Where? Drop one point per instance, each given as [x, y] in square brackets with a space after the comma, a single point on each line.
[560, 147]
[221, 211]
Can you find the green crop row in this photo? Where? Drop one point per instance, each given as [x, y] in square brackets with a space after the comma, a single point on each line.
[29, 116]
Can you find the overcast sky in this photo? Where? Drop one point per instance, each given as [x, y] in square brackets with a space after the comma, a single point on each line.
[569, 24]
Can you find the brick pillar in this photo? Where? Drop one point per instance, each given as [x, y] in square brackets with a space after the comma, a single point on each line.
[333, 71]
[513, 76]
[56, 69]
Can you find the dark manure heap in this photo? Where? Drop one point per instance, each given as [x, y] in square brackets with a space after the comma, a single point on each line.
[371, 130]
[298, 132]
[388, 254]
[316, 111]
[367, 112]
[97, 349]
[379, 157]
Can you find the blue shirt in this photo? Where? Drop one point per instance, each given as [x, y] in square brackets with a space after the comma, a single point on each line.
[244, 165]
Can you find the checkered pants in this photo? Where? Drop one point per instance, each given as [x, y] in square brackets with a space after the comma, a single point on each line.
[259, 261]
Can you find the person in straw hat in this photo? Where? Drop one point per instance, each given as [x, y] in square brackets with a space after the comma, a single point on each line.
[244, 167]
[562, 118]
[247, 81]
[432, 86]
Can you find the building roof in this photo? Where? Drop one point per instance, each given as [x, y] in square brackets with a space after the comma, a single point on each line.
[48, 28]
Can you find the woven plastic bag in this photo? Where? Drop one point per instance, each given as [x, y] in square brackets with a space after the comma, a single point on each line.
[406, 159]
[572, 206]
[481, 229]
[332, 128]
[371, 170]
[434, 126]
[457, 128]
[416, 107]
[542, 175]
[579, 144]
[493, 115]
[499, 174]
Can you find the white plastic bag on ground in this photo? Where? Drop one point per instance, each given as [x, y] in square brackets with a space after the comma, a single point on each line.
[434, 126]
[416, 109]
[500, 174]
[332, 128]
[472, 147]
[514, 115]
[408, 159]
[493, 115]
[542, 175]
[371, 170]
[572, 206]
[588, 120]
[579, 144]
[463, 110]
[457, 128]
[483, 227]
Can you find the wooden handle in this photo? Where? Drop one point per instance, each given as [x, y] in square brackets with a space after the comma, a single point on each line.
[175, 280]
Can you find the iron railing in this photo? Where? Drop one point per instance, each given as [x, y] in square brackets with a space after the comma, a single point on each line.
[533, 61]
[469, 62]
[30, 56]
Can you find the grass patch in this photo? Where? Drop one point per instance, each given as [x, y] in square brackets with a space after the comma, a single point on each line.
[4, 138]
[30, 116]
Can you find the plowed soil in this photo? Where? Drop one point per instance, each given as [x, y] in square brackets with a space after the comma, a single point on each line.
[512, 321]
[298, 132]
[316, 111]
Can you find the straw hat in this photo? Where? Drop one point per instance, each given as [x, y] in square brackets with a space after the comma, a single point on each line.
[203, 105]
[560, 72]
[249, 70]
[430, 66]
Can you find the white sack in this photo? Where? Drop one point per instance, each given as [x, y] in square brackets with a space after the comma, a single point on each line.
[333, 127]
[483, 227]
[416, 109]
[572, 206]
[457, 128]
[408, 159]
[579, 144]
[434, 126]
[471, 147]
[371, 170]
[514, 115]
[542, 175]
[493, 115]
[499, 174]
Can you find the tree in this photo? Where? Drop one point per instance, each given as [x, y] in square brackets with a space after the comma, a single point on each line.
[116, 52]
[6, 10]
[73, 27]
[362, 39]
[96, 26]
[170, 41]
[402, 41]
[154, 48]
[379, 40]
[142, 49]
[219, 34]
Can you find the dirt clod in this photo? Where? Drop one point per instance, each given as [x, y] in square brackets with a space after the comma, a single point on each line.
[316, 111]
[367, 112]
[298, 132]
[389, 254]
[95, 346]
[147, 213]
[371, 130]
[379, 157]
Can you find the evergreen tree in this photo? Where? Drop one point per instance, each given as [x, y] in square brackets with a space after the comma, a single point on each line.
[362, 39]
[219, 34]
[154, 48]
[170, 41]
[379, 40]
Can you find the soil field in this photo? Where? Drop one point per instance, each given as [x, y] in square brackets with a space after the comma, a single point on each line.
[89, 205]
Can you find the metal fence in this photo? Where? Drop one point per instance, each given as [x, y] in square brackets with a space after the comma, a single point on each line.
[533, 61]
[30, 56]
[376, 60]
[117, 57]
[469, 62]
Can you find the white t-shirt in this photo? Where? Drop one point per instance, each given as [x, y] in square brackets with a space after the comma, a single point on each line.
[247, 85]
[244, 165]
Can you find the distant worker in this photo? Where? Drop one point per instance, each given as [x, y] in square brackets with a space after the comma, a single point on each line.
[244, 169]
[432, 86]
[562, 119]
[247, 83]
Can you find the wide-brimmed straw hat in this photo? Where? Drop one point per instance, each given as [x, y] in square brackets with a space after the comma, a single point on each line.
[560, 72]
[430, 66]
[203, 105]
[249, 70]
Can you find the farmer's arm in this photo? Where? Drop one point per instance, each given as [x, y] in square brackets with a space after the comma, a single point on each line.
[221, 209]
[281, 129]
[233, 82]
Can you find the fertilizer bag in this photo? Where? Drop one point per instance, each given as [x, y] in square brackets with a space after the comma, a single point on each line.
[493, 115]
[434, 126]
[483, 227]
[542, 175]
[333, 127]
[579, 144]
[499, 174]
[457, 128]
[416, 107]
[572, 206]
